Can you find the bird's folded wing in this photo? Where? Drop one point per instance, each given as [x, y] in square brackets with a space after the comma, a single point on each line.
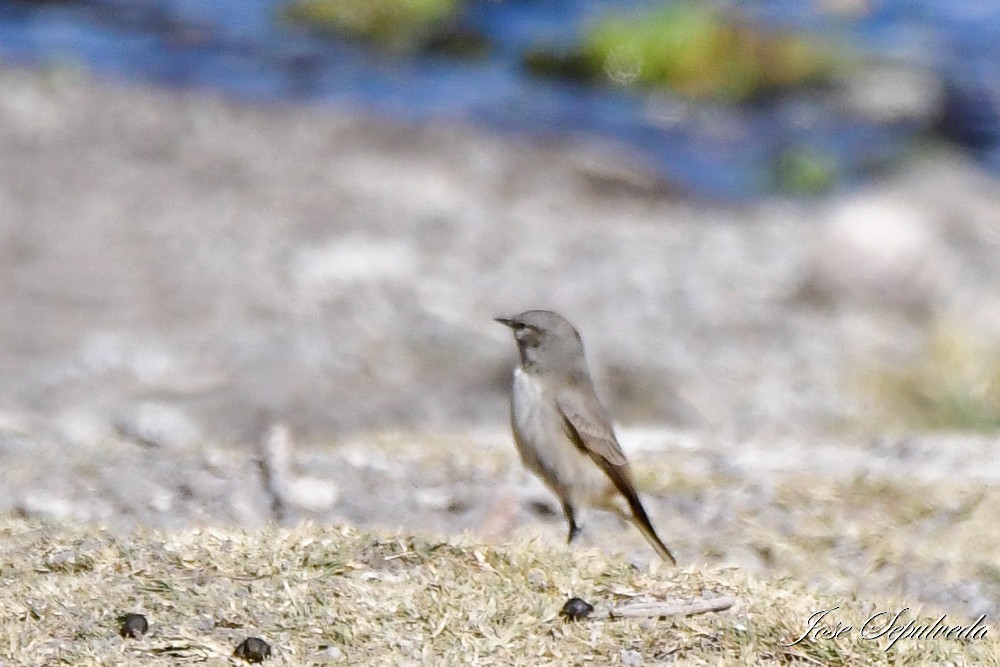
[586, 425]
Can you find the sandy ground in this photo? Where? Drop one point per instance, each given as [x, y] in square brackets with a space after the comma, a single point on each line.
[178, 273]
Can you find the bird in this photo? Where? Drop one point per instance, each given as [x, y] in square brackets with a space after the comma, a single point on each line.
[561, 430]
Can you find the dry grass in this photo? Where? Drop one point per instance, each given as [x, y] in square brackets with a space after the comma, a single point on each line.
[879, 526]
[340, 595]
[918, 540]
[952, 383]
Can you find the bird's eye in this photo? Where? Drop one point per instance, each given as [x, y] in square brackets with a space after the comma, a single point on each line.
[529, 335]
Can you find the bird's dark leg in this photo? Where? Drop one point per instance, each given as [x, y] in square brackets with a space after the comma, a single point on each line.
[574, 529]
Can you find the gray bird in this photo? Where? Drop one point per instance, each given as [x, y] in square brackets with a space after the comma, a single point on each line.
[561, 430]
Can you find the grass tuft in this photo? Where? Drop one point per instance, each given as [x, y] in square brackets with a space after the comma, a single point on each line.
[398, 24]
[695, 50]
[953, 383]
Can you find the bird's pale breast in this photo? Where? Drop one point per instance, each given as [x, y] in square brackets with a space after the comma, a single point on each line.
[545, 448]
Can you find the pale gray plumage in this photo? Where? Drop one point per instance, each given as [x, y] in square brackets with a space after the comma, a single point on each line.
[561, 430]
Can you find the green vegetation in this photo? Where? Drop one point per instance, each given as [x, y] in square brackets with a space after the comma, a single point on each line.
[805, 171]
[344, 596]
[398, 24]
[693, 49]
[954, 383]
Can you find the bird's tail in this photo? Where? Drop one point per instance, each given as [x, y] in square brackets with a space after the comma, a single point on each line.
[645, 526]
[622, 479]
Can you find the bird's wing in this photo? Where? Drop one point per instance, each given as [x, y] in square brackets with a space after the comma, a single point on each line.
[588, 428]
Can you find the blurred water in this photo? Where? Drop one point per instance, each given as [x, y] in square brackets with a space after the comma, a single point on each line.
[242, 48]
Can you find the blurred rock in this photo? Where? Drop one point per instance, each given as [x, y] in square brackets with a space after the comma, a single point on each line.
[631, 658]
[319, 270]
[878, 251]
[436, 499]
[888, 92]
[82, 427]
[312, 494]
[132, 490]
[42, 503]
[161, 500]
[16, 434]
[331, 654]
[159, 425]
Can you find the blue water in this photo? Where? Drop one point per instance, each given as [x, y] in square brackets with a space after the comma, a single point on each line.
[241, 48]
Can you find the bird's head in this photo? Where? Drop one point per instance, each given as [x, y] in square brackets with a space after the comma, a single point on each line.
[546, 340]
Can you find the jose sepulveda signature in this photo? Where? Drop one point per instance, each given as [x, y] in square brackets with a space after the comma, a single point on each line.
[891, 626]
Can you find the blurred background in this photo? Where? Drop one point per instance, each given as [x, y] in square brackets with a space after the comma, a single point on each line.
[726, 100]
[216, 258]
[776, 224]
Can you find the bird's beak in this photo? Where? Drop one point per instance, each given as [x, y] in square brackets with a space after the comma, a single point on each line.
[506, 321]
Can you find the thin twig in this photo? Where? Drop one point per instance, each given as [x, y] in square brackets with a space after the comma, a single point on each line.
[663, 609]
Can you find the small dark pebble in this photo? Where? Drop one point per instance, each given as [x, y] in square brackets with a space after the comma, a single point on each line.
[575, 609]
[253, 649]
[134, 626]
